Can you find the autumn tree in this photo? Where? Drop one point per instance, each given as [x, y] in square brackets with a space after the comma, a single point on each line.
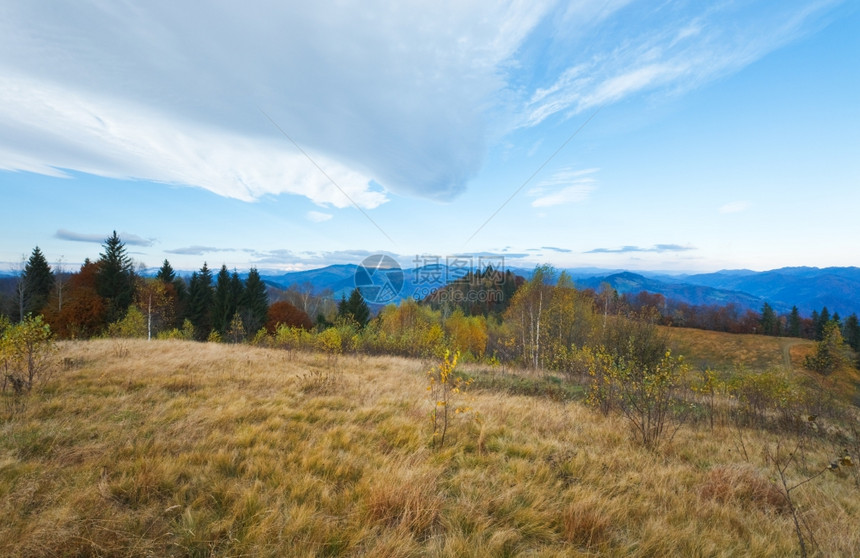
[467, 334]
[570, 321]
[25, 350]
[286, 314]
[829, 352]
[156, 301]
[115, 277]
[526, 313]
[83, 313]
[38, 282]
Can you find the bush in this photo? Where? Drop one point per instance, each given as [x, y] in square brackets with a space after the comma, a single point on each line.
[646, 396]
[25, 351]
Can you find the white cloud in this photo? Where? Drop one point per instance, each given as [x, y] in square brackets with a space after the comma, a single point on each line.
[318, 216]
[564, 187]
[169, 92]
[735, 207]
[405, 95]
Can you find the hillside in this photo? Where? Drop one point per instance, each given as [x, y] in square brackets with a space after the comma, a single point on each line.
[736, 352]
[213, 449]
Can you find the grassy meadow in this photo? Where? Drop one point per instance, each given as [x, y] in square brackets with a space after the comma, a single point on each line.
[177, 448]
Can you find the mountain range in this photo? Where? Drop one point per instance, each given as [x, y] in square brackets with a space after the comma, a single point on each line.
[809, 288]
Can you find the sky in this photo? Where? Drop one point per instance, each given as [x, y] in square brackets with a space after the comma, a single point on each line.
[677, 136]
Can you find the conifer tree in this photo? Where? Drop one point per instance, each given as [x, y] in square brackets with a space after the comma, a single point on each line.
[115, 278]
[769, 324]
[354, 308]
[794, 323]
[823, 318]
[852, 332]
[38, 282]
[226, 301]
[166, 273]
[254, 303]
[200, 296]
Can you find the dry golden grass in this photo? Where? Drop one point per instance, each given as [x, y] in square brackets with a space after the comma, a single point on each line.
[188, 449]
[722, 351]
[730, 352]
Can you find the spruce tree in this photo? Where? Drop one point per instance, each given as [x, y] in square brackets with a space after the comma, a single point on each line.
[226, 301]
[852, 332]
[166, 273]
[354, 308]
[38, 282]
[115, 278]
[823, 318]
[200, 296]
[769, 325]
[794, 323]
[255, 302]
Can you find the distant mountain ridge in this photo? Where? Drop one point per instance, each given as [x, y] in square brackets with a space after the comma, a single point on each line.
[809, 288]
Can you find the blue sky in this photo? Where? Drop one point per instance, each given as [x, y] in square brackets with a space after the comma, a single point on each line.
[676, 136]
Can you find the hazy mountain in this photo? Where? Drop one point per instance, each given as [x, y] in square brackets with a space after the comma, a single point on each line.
[810, 288]
[632, 283]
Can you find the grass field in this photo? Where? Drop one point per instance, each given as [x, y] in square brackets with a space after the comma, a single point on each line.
[170, 448]
[730, 352]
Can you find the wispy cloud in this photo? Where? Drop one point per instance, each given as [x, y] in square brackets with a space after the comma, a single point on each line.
[318, 216]
[735, 207]
[658, 248]
[663, 49]
[127, 238]
[564, 187]
[554, 249]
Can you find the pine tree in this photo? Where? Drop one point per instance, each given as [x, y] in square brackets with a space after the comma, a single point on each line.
[115, 279]
[200, 295]
[354, 308]
[769, 325]
[255, 302]
[823, 319]
[226, 301]
[38, 282]
[794, 323]
[852, 332]
[166, 273]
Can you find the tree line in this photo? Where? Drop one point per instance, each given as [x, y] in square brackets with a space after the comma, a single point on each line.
[109, 296]
[536, 323]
